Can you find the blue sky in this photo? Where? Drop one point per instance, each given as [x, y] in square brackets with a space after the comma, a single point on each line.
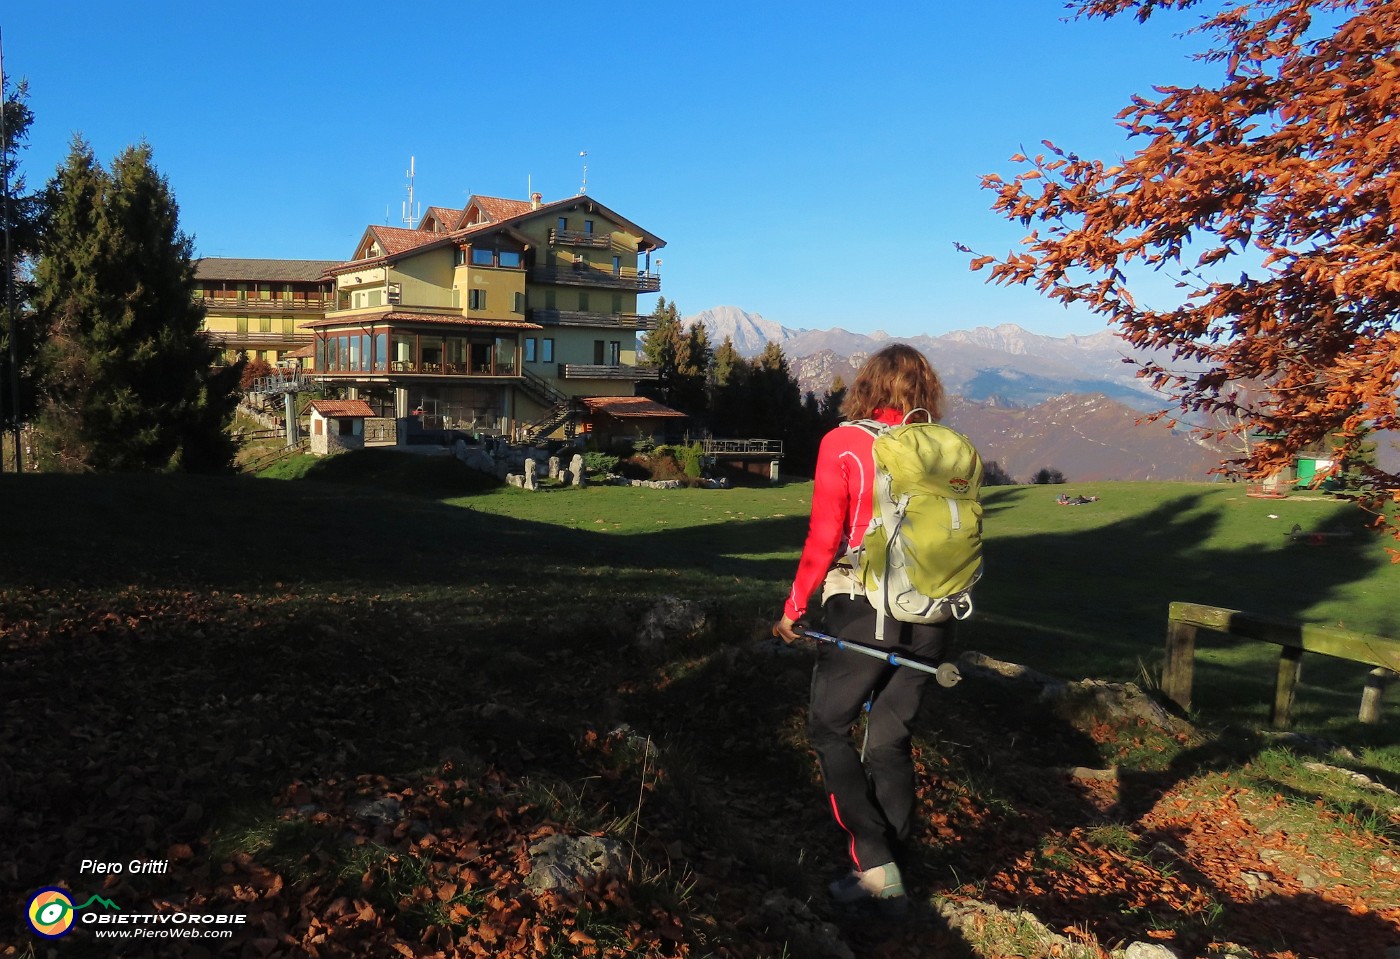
[813, 162]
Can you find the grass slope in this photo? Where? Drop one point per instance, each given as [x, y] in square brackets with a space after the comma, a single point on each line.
[223, 673]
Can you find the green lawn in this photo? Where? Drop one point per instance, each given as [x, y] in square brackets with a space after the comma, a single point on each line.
[212, 652]
[1073, 591]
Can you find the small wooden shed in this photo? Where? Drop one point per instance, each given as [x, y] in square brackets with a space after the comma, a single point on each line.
[338, 425]
[613, 420]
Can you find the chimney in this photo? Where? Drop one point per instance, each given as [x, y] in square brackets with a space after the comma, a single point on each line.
[535, 199]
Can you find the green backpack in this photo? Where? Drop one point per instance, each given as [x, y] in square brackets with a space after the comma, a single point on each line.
[923, 550]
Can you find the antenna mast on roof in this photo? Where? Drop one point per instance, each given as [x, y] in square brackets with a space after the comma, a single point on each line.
[584, 189]
[411, 214]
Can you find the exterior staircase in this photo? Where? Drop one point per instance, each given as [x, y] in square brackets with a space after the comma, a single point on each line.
[564, 410]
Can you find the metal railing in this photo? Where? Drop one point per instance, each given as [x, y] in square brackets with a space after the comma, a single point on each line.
[628, 321]
[714, 447]
[234, 304]
[581, 371]
[580, 238]
[582, 274]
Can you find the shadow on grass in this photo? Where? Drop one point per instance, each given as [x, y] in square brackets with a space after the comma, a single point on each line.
[387, 629]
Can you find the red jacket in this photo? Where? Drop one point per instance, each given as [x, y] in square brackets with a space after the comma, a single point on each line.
[841, 504]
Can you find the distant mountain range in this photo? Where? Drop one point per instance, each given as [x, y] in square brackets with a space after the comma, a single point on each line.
[1028, 401]
[1006, 365]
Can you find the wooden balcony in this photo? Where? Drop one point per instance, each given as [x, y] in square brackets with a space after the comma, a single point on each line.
[233, 304]
[623, 321]
[258, 341]
[579, 371]
[600, 241]
[635, 281]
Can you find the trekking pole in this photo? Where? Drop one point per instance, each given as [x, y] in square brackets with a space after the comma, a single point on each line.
[946, 674]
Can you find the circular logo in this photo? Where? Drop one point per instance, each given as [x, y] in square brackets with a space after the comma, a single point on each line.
[959, 485]
[50, 912]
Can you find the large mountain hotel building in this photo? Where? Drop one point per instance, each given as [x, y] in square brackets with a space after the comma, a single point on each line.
[260, 308]
[508, 317]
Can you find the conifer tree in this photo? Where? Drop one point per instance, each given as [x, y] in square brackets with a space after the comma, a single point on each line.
[22, 225]
[127, 378]
[689, 390]
[729, 383]
[661, 350]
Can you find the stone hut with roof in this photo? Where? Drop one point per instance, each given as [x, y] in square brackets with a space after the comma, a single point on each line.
[338, 425]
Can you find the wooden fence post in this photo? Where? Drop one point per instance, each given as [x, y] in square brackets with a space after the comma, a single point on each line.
[1376, 682]
[1178, 672]
[1290, 669]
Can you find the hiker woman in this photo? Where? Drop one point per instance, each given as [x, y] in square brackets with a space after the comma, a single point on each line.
[871, 799]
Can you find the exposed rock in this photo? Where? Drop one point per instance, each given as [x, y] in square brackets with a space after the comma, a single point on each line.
[807, 935]
[672, 619]
[974, 663]
[385, 811]
[1147, 950]
[561, 862]
[1357, 779]
[1112, 701]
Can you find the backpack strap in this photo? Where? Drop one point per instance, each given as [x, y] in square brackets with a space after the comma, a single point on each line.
[873, 427]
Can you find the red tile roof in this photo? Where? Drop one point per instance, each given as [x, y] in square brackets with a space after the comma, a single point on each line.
[627, 406]
[342, 408]
[396, 239]
[449, 218]
[500, 208]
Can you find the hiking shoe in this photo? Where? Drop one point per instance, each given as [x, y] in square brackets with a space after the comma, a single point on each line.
[881, 886]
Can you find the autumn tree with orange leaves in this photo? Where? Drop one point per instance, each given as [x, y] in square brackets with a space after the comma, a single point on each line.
[1272, 200]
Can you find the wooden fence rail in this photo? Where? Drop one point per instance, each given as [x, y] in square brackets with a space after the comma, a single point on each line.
[1184, 619]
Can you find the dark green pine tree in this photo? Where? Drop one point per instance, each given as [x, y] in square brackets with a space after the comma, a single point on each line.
[730, 374]
[23, 229]
[128, 381]
[661, 351]
[690, 391]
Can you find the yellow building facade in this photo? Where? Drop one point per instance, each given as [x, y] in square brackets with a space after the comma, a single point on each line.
[496, 319]
[259, 308]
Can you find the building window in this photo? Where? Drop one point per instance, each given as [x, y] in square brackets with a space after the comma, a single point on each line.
[457, 297]
[505, 356]
[549, 303]
[476, 299]
[461, 258]
[547, 350]
[615, 353]
[587, 226]
[598, 346]
[617, 266]
[289, 325]
[563, 223]
[583, 301]
[508, 259]
[520, 303]
[529, 349]
[264, 324]
[481, 257]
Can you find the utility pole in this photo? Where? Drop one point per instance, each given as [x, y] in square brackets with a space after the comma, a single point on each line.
[9, 272]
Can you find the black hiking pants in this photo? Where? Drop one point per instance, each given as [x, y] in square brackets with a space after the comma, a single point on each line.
[873, 802]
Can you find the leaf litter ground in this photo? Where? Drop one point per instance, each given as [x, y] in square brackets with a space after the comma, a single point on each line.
[242, 738]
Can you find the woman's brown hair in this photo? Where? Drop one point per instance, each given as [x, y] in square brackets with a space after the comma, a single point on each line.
[898, 377]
